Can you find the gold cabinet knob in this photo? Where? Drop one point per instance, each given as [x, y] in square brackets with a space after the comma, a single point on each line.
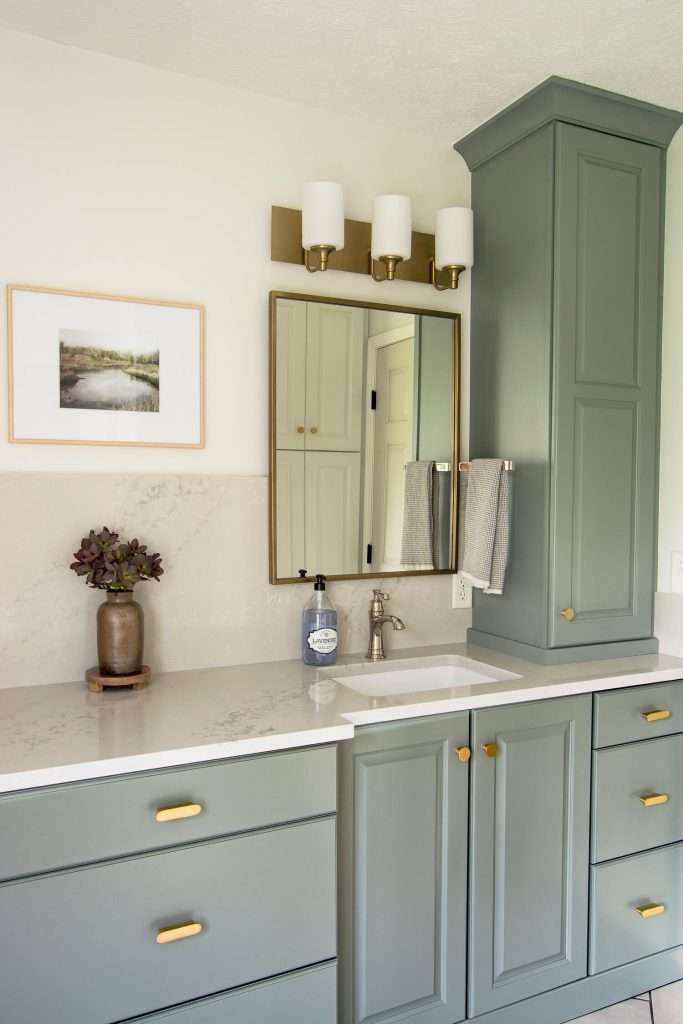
[651, 910]
[463, 754]
[654, 799]
[490, 749]
[179, 931]
[314, 430]
[656, 716]
[178, 811]
[568, 614]
[301, 430]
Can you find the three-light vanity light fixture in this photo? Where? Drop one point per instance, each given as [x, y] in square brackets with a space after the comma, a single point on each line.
[322, 233]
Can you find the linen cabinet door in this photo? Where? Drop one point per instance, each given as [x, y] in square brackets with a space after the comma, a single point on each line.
[529, 850]
[290, 374]
[332, 510]
[334, 377]
[403, 871]
[607, 260]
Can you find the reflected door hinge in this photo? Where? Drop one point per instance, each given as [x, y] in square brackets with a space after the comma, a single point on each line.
[373, 399]
[368, 554]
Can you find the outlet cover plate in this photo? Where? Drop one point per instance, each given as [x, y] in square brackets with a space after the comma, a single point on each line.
[462, 592]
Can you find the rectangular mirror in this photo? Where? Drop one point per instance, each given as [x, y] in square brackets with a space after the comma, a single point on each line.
[363, 438]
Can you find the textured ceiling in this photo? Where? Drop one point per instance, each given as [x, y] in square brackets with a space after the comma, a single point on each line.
[438, 68]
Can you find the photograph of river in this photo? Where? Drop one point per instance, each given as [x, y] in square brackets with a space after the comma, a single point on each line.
[98, 372]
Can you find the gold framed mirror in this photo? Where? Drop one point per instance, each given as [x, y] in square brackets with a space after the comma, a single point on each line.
[364, 439]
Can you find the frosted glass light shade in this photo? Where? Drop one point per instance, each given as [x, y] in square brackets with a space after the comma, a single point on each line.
[454, 237]
[322, 217]
[391, 227]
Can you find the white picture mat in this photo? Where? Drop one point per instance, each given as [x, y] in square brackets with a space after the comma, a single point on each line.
[38, 317]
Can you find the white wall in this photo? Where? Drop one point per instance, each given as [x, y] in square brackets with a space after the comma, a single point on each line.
[669, 607]
[122, 178]
[116, 177]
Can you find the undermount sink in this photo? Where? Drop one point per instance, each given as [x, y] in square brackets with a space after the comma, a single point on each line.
[418, 675]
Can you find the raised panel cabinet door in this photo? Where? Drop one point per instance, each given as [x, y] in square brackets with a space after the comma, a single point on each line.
[290, 374]
[403, 870]
[291, 503]
[334, 377]
[529, 850]
[607, 295]
[332, 512]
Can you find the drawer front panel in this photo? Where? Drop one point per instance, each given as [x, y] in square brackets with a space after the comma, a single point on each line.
[649, 881]
[84, 946]
[307, 997]
[82, 822]
[620, 714]
[637, 797]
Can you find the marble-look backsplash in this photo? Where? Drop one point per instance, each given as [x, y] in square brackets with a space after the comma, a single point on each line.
[214, 604]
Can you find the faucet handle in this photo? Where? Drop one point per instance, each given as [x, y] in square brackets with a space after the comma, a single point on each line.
[379, 595]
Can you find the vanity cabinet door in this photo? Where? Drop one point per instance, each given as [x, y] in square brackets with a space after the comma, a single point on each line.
[403, 868]
[529, 850]
[607, 245]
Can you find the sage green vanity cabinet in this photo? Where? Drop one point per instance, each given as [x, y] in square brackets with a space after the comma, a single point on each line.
[403, 870]
[567, 191]
[529, 856]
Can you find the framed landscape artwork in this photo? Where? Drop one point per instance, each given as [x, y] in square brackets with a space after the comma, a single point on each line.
[104, 369]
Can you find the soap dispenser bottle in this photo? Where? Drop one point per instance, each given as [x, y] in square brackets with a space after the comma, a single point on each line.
[319, 629]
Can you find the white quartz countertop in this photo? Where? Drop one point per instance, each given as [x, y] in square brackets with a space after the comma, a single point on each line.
[63, 733]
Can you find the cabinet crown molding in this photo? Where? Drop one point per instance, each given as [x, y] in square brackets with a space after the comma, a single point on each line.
[561, 99]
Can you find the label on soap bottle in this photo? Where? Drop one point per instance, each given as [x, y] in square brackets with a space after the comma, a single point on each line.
[322, 641]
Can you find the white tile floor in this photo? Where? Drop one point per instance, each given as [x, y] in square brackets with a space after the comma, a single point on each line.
[662, 1006]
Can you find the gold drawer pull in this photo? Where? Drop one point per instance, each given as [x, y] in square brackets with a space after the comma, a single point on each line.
[656, 716]
[651, 910]
[490, 749]
[179, 931]
[654, 799]
[178, 811]
[463, 754]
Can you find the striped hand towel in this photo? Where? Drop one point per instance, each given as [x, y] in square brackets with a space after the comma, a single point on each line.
[486, 528]
[418, 517]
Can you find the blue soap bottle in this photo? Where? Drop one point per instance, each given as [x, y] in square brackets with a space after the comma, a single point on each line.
[319, 636]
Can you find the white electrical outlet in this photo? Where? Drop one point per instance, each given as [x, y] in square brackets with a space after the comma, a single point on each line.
[677, 572]
[462, 592]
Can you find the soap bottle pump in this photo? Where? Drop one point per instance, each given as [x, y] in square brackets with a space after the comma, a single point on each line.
[319, 636]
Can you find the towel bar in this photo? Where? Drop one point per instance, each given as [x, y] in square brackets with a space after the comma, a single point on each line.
[508, 465]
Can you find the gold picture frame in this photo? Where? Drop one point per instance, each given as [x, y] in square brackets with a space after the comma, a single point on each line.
[198, 416]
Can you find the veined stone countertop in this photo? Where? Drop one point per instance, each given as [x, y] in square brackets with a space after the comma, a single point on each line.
[62, 733]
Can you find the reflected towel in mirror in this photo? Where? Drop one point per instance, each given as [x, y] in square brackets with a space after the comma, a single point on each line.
[418, 516]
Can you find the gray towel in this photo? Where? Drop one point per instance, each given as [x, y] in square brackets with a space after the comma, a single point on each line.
[441, 511]
[487, 496]
[418, 516]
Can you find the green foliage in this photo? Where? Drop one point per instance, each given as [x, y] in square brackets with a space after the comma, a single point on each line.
[110, 564]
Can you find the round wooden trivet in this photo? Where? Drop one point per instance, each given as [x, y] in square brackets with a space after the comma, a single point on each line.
[97, 682]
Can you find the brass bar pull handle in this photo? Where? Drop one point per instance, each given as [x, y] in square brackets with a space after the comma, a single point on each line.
[179, 931]
[490, 749]
[651, 910]
[463, 754]
[657, 715]
[178, 811]
[654, 799]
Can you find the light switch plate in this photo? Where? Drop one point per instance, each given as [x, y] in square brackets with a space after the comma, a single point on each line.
[677, 572]
[462, 592]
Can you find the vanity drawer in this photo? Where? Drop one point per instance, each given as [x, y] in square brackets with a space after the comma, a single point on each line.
[84, 943]
[637, 797]
[306, 997]
[619, 932]
[620, 714]
[83, 822]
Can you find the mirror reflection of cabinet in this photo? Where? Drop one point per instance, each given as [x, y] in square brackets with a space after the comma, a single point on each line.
[359, 393]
